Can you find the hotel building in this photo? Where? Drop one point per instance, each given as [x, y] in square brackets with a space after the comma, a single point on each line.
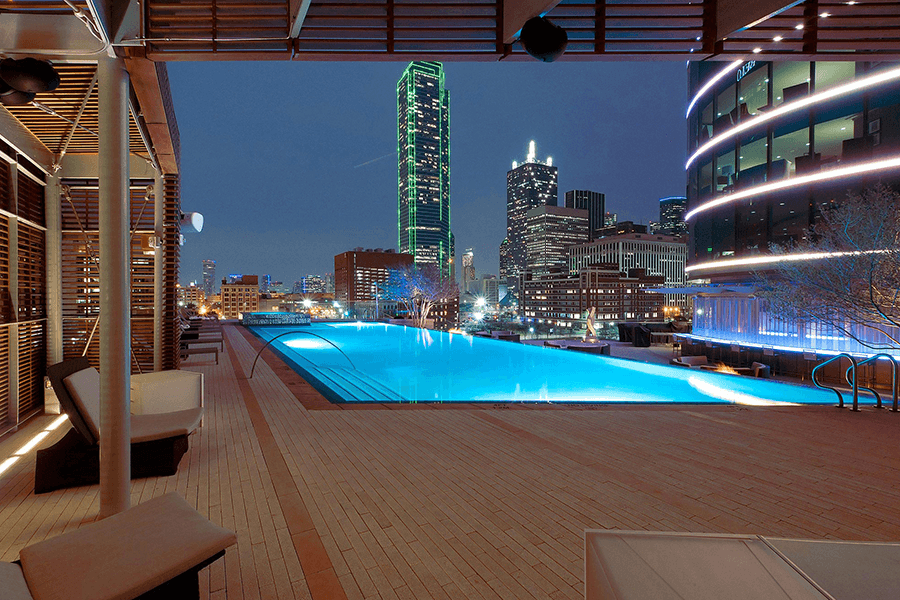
[423, 152]
[239, 297]
[358, 272]
[658, 255]
[770, 144]
[528, 186]
[561, 298]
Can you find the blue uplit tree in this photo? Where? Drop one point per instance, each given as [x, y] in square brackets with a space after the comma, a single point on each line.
[849, 274]
[419, 289]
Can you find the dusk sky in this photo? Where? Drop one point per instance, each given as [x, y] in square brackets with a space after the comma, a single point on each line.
[292, 163]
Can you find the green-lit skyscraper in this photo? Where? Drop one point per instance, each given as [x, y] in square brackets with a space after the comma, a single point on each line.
[423, 154]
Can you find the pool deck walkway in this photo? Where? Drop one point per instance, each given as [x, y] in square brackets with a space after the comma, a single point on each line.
[491, 501]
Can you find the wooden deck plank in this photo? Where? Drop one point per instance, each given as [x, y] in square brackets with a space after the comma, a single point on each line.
[452, 502]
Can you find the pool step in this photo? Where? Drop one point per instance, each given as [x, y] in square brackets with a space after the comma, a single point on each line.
[354, 385]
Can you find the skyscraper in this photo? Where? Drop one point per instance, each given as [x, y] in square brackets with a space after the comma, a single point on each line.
[468, 270]
[594, 203]
[423, 151]
[209, 277]
[529, 185]
[671, 215]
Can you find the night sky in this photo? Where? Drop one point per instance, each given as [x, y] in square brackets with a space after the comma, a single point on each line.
[292, 163]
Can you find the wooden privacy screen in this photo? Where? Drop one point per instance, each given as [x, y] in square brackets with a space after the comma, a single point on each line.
[81, 276]
[23, 308]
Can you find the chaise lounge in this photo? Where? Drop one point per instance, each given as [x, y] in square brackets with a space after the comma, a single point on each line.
[152, 551]
[158, 441]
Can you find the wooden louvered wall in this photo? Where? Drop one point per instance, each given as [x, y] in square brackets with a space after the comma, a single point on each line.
[171, 333]
[23, 305]
[80, 273]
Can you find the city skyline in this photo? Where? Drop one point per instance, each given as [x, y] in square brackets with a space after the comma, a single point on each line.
[313, 188]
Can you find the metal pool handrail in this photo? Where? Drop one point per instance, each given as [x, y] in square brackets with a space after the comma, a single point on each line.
[893, 378]
[835, 390]
[253, 368]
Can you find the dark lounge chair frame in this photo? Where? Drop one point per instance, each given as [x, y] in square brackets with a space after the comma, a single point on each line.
[75, 459]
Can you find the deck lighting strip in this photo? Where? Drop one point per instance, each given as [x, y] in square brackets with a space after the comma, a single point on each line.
[31, 444]
[841, 90]
[731, 67]
[771, 259]
[856, 169]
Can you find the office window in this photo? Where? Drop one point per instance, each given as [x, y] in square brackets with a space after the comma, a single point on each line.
[791, 81]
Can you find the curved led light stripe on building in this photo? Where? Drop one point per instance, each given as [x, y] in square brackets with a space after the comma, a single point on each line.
[856, 169]
[841, 90]
[731, 67]
[769, 259]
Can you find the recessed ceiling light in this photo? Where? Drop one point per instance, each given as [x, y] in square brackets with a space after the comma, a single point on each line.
[798, 26]
[757, 50]
[777, 38]
[851, 2]
[825, 15]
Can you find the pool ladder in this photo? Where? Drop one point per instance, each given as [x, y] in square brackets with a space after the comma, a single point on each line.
[851, 376]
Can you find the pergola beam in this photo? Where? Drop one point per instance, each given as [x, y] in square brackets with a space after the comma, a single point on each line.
[298, 10]
[516, 12]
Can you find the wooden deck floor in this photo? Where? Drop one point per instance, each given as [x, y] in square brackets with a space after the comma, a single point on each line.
[478, 503]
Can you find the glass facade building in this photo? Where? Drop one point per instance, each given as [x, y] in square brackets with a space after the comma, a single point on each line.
[594, 203]
[671, 216]
[209, 277]
[770, 144]
[423, 152]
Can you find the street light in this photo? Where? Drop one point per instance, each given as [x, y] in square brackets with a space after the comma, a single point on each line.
[307, 303]
[480, 301]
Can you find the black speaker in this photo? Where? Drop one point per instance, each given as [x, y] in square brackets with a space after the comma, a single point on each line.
[543, 40]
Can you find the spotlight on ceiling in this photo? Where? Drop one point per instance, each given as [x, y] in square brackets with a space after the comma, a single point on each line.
[543, 40]
[29, 75]
[191, 222]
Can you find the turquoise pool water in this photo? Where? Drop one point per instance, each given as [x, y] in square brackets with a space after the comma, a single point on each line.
[379, 362]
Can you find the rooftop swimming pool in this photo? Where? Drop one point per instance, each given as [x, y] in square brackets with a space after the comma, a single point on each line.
[374, 362]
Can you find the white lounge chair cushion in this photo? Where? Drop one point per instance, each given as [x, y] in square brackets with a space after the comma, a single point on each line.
[146, 428]
[84, 387]
[125, 555]
[12, 582]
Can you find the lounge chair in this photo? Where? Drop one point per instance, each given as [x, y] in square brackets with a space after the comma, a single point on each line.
[158, 441]
[152, 551]
[689, 361]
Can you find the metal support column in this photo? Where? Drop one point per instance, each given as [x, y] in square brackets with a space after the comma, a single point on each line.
[53, 212]
[159, 198]
[115, 288]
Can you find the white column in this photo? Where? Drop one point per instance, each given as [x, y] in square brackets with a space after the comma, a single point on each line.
[115, 287]
[53, 211]
[158, 263]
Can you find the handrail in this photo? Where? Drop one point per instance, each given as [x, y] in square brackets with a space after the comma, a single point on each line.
[835, 390]
[893, 379]
[253, 368]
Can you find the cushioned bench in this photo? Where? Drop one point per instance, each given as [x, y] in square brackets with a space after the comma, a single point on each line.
[154, 550]
[158, 441]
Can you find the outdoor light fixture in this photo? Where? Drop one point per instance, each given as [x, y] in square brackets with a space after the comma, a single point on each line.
[856, 169]
[21, 79]
[192, 222]
[543, 39]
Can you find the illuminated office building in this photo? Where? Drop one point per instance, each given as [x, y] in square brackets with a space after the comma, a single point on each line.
[671, 216]
[209, 277]
[423, 152]
[468, 271]
[549, 232]
[528, 185]
[770, 145]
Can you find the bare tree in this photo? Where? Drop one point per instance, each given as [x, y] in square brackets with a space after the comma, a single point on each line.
[849, 278]
[419, 289]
